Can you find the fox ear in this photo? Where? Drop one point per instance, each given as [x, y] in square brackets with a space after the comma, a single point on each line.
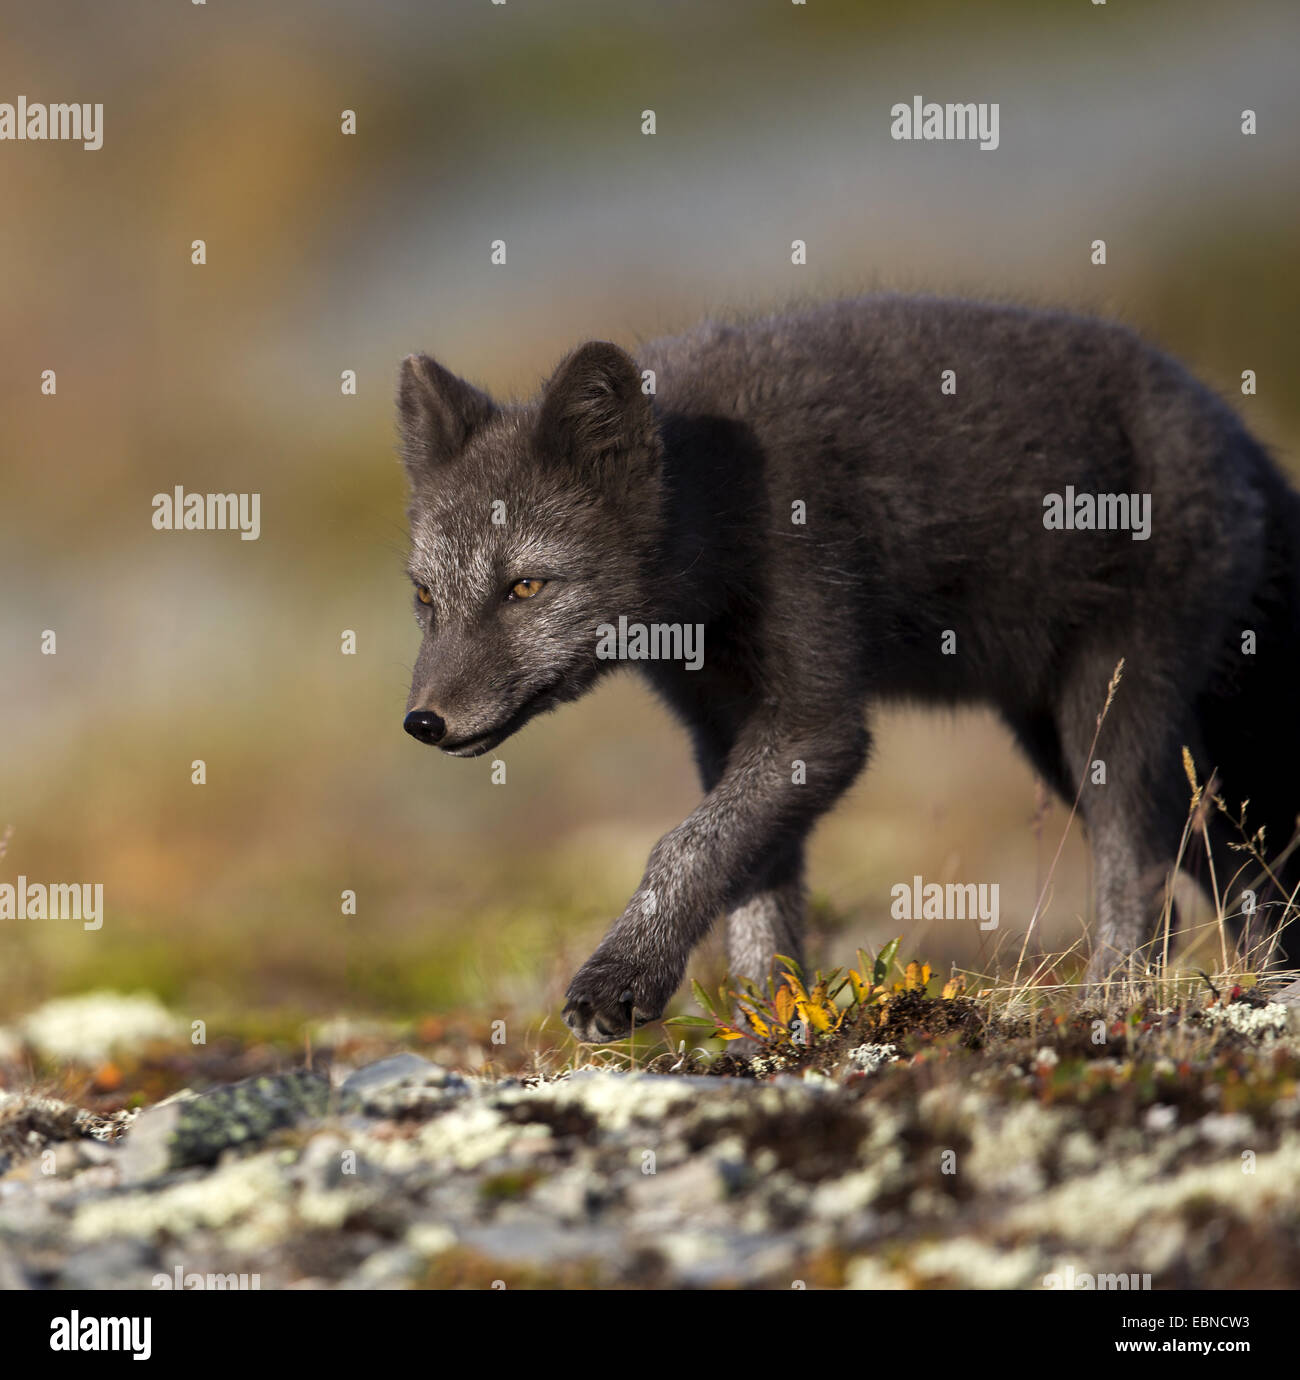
[436, 412]
[593, 406]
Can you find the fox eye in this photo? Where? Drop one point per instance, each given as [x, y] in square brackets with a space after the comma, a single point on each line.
[526, 589]
[423, 595]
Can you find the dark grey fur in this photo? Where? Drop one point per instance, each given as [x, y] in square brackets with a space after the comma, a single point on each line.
[924, 514]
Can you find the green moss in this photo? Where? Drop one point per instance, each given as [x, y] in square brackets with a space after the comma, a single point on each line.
[509, 1184]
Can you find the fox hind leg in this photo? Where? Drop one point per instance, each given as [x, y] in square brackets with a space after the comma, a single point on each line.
[1134, 801]
[768, 922]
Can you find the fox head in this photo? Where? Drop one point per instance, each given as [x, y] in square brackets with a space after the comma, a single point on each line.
[531, 526]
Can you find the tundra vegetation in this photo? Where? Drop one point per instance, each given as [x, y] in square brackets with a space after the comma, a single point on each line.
[879, 1125]
[873, 1124]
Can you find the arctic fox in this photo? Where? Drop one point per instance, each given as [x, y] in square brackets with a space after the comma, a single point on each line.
[881, 498]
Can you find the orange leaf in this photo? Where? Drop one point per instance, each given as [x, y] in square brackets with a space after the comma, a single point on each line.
[784, 1005]
[761, 1027]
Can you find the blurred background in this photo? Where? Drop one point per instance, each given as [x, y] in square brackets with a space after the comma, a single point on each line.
[328, 252]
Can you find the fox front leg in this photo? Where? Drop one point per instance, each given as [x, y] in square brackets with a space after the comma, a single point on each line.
[772, 792]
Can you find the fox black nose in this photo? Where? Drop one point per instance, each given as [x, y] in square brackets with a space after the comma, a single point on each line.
[424, 725]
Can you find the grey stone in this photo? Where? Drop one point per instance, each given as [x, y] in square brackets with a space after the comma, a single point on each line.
[541, 1243]
[118, 1264]
[148, 1149]
[385, 1073]
[1288, 996]
[197, 1129]
[402, 1085]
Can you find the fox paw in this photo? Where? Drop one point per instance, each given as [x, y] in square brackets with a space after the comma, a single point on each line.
[609, 996]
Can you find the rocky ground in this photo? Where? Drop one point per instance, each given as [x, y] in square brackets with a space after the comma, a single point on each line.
[950, 1149]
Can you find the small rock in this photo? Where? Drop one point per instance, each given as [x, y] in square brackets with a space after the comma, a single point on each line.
[1289, 996]
[196, 1130]
[402, 1083]
[386, 1073]
[117, 1264]
[148, 1148]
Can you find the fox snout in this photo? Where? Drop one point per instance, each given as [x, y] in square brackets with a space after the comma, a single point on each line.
[426, 726]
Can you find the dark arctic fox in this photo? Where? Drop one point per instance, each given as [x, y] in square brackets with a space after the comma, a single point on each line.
[879, 498]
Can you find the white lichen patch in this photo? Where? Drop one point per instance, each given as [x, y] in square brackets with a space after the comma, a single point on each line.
[329, 1208]
[868, 1058]
[866, 1272]
[1255, 1022]
[1105, 1207]
[1160, 1118]
[880, 1130]
[838, 1198]
[688, 1250]
[430, 1238]
[1080, 1154]
[963, 1262]
[618, 1101]
[764, 1065]
[1227, 1129]
[1010, 1147]
[88, 1029]
[469, 1135]
[249, 1200]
